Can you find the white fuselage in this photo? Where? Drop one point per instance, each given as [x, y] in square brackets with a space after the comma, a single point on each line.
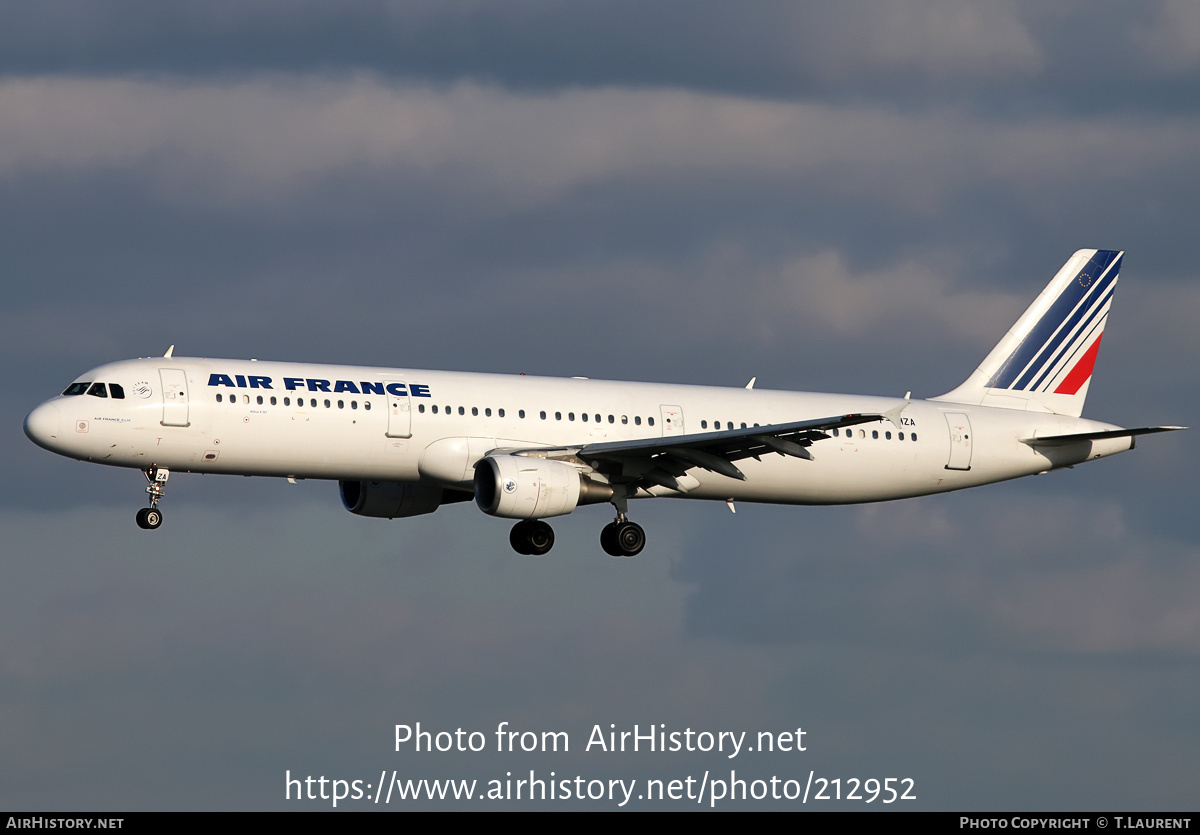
[400, 425]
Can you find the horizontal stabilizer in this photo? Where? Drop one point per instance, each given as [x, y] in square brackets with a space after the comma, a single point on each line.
[1059, 440]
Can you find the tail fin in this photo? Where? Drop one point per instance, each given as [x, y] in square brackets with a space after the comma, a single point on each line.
[1044, 363]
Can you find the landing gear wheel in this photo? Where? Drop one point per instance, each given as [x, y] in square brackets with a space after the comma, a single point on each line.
[630, 538]
[540, 538]
[608, 540]
[516, 538]
[149, 518]
[531, 537]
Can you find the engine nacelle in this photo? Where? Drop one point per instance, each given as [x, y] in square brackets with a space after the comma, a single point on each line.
[392, 500]
[519, 487]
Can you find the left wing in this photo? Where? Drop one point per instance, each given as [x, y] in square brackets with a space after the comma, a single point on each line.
[663, 461]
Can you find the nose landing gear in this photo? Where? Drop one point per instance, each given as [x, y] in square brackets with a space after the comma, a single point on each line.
[149, 518]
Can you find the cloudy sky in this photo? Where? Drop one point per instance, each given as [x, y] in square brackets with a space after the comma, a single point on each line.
[853, 197]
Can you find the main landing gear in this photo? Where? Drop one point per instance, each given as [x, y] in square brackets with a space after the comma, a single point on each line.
[531, 537]
[622, 538]
[534, 537]
[149, 518]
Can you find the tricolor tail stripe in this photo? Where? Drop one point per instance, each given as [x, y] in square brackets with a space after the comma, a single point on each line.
[1082, 370]
[1070, 328]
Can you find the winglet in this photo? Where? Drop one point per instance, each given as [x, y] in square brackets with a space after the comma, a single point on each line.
[892, 415]
[750, 384]
[170, 351]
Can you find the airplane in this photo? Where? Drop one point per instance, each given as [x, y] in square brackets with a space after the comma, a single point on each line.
[403, 442]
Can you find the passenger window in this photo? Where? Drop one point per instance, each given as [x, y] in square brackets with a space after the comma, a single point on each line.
[326, 404]
[584, 417]
[76, 388]
[570, 416]
[218, 397]
[597, 418]
[901, 436]
[117, 392]
[913, 436]
[313, 401]
[367, 405]
[341, 404]
[487, 412]
[887, 435]
[624, 418]
[462, 410]
[420, 406]
[246, 399]
[274, 402]
[287, 401]
[543, 415]
[650, 421]
[354, 405]
[637, 420]
[704, 424]
[558, 415]
[435, 409]
[475, 411]
[260, 402]
[612, 419]
[875, 434]
[98, 390]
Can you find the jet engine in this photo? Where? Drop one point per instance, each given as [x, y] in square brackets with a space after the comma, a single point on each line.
[520, 487]
[392, 500]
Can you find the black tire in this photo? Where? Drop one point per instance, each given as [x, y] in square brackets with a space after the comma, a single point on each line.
[540, 538]
[518, 539]
[631, 539]
[141, 518]
[608, 540]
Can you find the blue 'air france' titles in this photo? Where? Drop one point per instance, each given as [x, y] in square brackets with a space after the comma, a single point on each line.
[255, 381]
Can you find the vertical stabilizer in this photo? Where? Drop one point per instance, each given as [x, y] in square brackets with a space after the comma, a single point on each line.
[1044, 363]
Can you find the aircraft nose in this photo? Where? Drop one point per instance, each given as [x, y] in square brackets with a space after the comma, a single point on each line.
[44, 425]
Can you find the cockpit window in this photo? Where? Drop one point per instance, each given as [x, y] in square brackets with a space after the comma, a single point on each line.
[117, 392]
[76, 388]
[98, 390]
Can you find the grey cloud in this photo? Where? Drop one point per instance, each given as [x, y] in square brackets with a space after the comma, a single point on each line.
[251, 145]
[1051, 574]
[1170, 39]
